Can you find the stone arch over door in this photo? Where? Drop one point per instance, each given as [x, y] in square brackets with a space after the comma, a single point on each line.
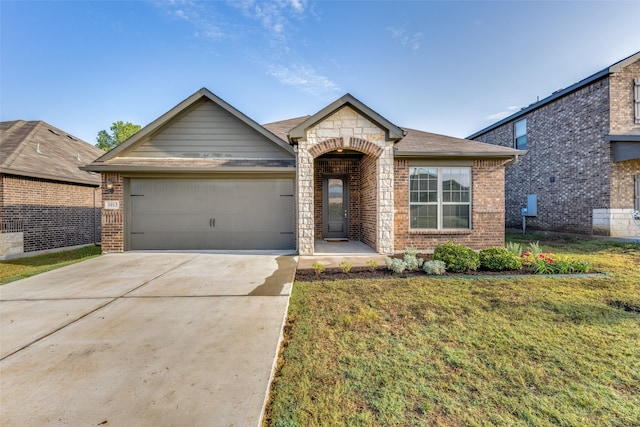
[376, 201]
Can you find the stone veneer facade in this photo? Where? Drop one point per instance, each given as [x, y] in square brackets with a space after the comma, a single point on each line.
[569, 164]
[43, 215]
[348, 130]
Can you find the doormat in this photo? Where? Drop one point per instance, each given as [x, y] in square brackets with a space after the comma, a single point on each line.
[336, 240]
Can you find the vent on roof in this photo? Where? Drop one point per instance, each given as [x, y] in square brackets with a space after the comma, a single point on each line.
[38, 149]
[78, 157]
[72, 137]
[54, 132]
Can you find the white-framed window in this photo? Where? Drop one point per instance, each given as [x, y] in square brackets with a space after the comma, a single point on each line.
[520, 134]
[636, 100]
[439, 198]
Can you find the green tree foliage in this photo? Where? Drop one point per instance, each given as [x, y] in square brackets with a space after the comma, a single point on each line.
[120, 132]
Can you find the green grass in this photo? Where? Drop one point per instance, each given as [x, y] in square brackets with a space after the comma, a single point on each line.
[531, 351]
[16, 269]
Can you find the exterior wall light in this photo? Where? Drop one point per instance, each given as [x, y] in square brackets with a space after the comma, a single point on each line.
[110, 186]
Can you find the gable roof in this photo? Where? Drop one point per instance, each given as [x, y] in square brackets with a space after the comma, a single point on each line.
[419, 144]
[615, 68]
[393, 132]
[37, 149]
[203, 93]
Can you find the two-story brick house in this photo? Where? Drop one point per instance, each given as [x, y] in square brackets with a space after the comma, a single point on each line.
[583, 155]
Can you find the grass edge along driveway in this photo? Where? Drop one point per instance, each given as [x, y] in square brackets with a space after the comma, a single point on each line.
[526, 351]
[21, 268]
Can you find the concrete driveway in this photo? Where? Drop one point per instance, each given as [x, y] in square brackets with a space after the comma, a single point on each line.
[162, 339]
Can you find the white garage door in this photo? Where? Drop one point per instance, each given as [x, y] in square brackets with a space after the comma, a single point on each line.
[211, 214]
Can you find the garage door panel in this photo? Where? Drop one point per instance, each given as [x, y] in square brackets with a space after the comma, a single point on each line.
[211, 214]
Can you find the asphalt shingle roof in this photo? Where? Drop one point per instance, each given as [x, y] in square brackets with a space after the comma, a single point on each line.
[37, 149]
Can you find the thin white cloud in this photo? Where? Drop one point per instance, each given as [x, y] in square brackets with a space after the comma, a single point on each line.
[304, 78]
[412, 40]
[502, 114]
[272, 21]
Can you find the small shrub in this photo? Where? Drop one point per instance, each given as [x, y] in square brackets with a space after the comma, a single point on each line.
[457, 258]
[515, 248]
[498, 259]
[395, 264]
[345, 266]
[434, 267]
[372, 264]
[319, 268]
[412, 262]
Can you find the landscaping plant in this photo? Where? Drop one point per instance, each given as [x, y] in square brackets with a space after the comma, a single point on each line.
[457, 258]
[395, 264]
[498, 259]
[434, 267]
[345, 266]
[412, 262]
[319, 268]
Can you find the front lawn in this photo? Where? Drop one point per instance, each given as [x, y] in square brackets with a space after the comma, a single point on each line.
[419, 351]
[21, 268]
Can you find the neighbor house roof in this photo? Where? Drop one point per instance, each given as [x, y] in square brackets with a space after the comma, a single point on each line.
[37, 149]
[615, 68]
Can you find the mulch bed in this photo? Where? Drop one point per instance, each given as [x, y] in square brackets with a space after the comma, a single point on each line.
[310, 275]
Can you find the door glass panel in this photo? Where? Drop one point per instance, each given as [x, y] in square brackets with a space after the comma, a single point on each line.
[335, 200]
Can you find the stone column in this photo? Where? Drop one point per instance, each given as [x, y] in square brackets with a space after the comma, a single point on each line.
[385, 200]
[304, 175]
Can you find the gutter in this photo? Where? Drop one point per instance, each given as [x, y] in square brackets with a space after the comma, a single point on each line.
[181, 169]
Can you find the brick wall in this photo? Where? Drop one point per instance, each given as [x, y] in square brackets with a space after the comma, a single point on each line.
[623, 184]
[621, 93]
[487, 210]
[368, 201]
[50, 214]
[568, 161]
[113, 219]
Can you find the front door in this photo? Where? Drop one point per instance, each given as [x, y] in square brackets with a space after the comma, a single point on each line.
[335, 207]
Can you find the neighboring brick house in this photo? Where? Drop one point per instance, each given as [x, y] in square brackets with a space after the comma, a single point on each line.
[583, 155]
[205, 176]
[46, 201]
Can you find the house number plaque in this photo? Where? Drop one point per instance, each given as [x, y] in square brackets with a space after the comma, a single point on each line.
[112, 204]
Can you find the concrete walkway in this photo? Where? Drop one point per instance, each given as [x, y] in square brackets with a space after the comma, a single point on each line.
[143, 339]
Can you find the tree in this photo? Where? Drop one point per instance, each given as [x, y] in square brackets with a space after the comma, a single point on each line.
[120, 132]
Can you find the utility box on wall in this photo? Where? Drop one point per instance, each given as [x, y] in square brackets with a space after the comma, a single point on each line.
[532, 206]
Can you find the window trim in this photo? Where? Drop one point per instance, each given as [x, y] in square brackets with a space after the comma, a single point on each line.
[636, 100]
[516, 137]
[440, 199]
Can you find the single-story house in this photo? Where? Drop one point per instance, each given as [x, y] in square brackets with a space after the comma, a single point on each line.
[206, 176]
[46, 202]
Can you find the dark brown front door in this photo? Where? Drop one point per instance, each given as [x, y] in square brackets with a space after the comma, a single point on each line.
[335, 207]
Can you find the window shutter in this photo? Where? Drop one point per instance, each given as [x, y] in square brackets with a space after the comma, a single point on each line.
[636, 98]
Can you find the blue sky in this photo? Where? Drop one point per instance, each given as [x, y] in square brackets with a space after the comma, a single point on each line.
[450, 67]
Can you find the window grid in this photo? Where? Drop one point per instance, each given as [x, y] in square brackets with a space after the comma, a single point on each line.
[439, 198]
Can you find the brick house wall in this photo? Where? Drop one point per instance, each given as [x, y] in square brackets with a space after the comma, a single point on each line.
[49, 214]
[623, 121]
[487, 181]
[568, 161]
[368, 201]
[113, 219]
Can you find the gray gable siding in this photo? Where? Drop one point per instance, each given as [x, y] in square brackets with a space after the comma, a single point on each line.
[206, 130]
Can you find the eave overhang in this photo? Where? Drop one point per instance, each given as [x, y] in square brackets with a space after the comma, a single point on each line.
[44, 175]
